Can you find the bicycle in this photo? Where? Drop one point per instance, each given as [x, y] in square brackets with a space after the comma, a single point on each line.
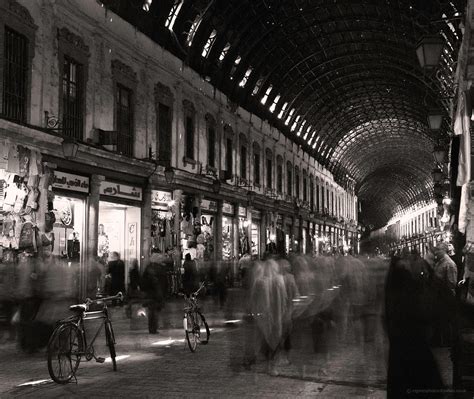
[68, 345]
[194, 322]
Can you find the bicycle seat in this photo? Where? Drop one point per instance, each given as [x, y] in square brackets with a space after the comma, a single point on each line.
[82, 307]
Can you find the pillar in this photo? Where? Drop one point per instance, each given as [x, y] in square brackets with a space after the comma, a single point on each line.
[146, 228]
[218, 240]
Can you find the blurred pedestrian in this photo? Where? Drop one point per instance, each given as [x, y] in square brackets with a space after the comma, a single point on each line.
[116, 270]
[411, 365]
[190, 277]
[153, 284]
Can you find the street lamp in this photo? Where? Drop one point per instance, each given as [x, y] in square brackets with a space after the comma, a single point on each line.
[169, 174]
[439, 154]
[70, 148]
[428, 51]
[435, 119]
[216, 186]
[437, 174]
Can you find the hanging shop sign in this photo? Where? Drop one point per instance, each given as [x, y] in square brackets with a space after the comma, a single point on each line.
[68, 181]
[256, 214]
[160, 199]
[242, 212]
[207, 205]
[120, 190]
[227, 208]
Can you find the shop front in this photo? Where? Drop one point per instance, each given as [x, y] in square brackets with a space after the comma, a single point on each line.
[206, 239]
[244, 239]
[70, 193]
[227, 232]
[255, 233]
[120, 223]
[163, 211]
[280, 234]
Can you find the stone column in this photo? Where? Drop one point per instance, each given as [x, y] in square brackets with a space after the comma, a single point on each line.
[218, 240]
[93, 213]
[146, 227]
[92, 221]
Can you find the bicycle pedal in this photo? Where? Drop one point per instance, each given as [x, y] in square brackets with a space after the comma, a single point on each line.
[100, 359]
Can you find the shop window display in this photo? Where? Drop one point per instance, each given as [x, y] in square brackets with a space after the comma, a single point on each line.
[226, 238]
[23, 226]
[244, 242]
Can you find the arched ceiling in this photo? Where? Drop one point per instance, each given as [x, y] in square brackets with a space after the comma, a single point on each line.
[339, 77]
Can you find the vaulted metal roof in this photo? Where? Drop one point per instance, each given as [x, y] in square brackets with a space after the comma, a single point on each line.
[339, 77]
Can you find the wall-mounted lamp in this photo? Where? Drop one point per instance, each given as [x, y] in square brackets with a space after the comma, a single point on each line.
[70, 148]
[435, 119]
[439, 154]
[169, 175]
[437, 174]
[428, 51]
[216, 186]
[250, 197]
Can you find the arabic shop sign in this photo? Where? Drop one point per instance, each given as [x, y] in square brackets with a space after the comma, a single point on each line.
[120, 190]
[160, 199]
[68, 181]
[209, 205]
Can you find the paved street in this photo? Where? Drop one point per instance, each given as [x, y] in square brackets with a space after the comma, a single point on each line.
[161, 365]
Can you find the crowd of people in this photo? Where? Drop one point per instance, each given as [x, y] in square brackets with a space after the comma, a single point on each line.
[405, 301]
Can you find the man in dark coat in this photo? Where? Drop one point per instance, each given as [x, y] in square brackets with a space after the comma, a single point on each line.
[190, 276]
[153, 284]
[411, 365]
[116, 270]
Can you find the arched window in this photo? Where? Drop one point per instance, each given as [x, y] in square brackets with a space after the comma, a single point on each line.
[256, 164]
[289, 178]
[318, 200]
[164, 121]
[297, 182]
[279, 174]
[305, 186]
[311, 192]
[211, 140]
[229, 148]
[243, 156]
[189, 119]
[269, 168]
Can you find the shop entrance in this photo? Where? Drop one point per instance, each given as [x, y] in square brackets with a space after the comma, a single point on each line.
[119, 231]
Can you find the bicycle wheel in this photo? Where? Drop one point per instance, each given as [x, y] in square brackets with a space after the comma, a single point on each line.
[191, 335]
[203, 330]
[64, 352]
[109, 337]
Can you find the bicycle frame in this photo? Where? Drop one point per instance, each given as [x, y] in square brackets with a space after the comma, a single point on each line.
[78, 321]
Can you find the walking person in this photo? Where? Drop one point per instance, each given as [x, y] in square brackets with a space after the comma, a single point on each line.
[190, 276]
[116, 271]
[153, 284]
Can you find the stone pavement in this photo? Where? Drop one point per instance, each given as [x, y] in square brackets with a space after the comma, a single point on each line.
[161, 366]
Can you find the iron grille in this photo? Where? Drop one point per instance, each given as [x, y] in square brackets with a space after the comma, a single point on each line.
[124, 118]
[15, 75]
[72, 112]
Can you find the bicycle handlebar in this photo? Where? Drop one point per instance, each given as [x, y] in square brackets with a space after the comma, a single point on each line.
[118, 296]
[201, 286]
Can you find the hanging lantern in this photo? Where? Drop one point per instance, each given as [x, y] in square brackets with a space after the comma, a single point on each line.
[435, 119]
[428, 51]
[439, 155]
[437, 174]
[216, 186]
[70, 148]
[169, 174]
[438, 189]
